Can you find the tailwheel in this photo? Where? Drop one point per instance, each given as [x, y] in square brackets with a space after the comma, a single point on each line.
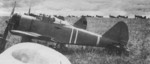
[118, 50]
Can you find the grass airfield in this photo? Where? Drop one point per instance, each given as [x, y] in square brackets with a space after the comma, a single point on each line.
[138, 44]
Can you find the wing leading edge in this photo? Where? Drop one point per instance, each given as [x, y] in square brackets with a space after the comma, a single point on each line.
[31, 34]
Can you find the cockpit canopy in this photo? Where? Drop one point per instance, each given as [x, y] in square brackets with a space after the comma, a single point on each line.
[59, 21]
[53, 19]
[50, 19]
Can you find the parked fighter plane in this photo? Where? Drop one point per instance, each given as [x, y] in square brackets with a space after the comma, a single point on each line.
[59, 31]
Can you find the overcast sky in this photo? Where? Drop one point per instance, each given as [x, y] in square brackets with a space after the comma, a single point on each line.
[79, 7]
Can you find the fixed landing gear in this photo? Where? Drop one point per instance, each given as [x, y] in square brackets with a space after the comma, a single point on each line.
[60, 45]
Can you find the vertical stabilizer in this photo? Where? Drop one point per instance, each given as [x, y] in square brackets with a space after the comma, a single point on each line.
[81, 23]
[118, 33]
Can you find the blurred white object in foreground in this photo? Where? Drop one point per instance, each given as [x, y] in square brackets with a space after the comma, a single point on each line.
[32, 53]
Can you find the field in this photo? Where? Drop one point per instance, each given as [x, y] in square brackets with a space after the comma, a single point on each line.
[138, 44]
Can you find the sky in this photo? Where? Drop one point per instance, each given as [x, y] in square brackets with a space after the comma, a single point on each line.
[78, 7]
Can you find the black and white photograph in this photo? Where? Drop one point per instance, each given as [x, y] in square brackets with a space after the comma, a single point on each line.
[74, 31]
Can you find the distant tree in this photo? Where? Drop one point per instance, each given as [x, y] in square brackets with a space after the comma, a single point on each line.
[61, 17]
[120, 16]
[141, 17]
[99, 16]
[88, 16]
[112, 16]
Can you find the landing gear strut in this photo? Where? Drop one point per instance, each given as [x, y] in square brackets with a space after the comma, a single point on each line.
[60, 45]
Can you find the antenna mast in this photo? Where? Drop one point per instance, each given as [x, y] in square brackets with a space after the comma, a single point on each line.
[29, 8]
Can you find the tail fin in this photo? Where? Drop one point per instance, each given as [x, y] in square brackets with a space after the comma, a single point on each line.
[81, 23]
[119, 32]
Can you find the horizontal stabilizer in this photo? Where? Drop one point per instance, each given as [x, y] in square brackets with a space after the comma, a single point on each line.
[81, 23]
[31, 34]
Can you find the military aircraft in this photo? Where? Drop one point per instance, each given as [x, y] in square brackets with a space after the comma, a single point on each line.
[51, 28]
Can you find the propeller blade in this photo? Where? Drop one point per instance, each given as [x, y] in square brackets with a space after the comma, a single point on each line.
[8, 22]
[12, 12]
[3, 39]
[6, 31]
[3, 42]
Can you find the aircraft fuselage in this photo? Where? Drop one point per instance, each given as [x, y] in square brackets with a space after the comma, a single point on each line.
[61, 33]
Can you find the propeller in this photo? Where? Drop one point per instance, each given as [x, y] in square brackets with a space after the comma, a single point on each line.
[9, 22]
[9, 25]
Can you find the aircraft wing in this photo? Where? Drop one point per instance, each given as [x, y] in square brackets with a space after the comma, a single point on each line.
[32, 34]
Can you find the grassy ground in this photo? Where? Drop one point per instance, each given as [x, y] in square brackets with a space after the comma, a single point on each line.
[138, 44]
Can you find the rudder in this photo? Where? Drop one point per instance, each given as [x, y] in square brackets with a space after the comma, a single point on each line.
[119, 32]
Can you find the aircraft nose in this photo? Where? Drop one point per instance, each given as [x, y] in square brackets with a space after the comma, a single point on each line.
[15, 21]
